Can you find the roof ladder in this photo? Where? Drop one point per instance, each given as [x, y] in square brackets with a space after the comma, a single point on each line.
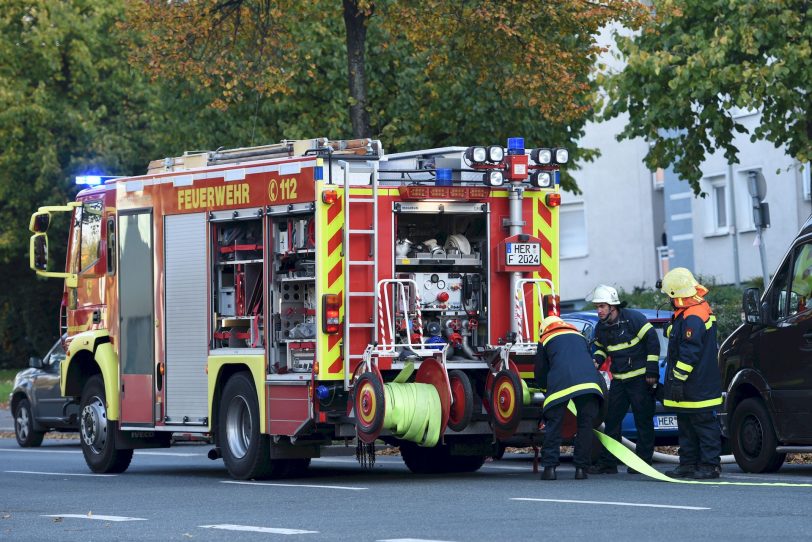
[351, 202]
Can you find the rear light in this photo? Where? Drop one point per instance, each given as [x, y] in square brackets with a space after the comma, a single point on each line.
[553, 200]
[330, 304]
[329, 197]
[552, 305]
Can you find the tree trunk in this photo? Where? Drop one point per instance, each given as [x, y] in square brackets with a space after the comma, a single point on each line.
[355, 21]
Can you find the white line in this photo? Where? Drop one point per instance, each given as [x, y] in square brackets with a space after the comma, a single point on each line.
[57, 473]
[29, 451]
[613, 503]
[91, 516]
[410, 540]
[349, 488]
[507, 467]
[171, 454]
[272, 530]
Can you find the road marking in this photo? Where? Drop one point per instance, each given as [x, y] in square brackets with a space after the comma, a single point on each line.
[28, 451]
[410, 540]
[613, 503]
[507, 467]
[58, 473]
[171, 454]
[93, 516]
[348, 488]
[272, 530]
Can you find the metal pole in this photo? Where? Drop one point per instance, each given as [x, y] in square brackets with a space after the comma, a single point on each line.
[515, 224]
[757, 218]
[735, 238]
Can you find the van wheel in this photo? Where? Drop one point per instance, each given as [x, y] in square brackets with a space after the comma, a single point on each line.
[27, 437]
[753, 438]
[97, 434]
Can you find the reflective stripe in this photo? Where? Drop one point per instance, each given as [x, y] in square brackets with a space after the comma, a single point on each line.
[572, 389]
[652, 357]
[693, 404]
[684, 367]
[710, 322]
[630, 374]
[643, 330]
[558, 333]
[680, 376]
[668, 331]
[598, 344]
[600, 353]
[623, 346]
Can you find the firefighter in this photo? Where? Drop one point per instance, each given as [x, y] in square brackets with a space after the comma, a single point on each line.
[564, 370]
[693, 386]
[625, 336]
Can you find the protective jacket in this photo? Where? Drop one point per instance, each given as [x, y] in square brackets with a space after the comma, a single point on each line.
[564, 367]
[692, 354]
[632, 343]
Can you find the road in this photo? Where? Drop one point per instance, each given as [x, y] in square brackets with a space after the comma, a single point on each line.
[178, 494]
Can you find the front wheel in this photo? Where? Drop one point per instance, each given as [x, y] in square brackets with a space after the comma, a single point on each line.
[753, 438]
[98, 434]
[27, 437]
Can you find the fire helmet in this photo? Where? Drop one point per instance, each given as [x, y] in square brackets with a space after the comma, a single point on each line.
[603, 294]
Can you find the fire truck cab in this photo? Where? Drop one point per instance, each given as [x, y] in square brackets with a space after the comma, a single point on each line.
[283, 297]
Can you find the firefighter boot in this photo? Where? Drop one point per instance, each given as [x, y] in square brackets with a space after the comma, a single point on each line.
[580, 473]
[682, 471]
[548, 474]
[706, 472]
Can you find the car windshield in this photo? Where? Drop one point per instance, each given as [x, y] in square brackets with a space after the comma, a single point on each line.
[56, 355]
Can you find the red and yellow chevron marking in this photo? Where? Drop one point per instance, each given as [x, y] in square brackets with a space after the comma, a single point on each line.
[545, 227]
[329, 278]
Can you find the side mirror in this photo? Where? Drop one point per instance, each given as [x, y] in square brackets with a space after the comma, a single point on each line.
[39, 252]
[751, 306]
[35, 362]
[40, 222]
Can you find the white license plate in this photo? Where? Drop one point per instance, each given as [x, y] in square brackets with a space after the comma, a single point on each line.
[523, 254]
[665, 422]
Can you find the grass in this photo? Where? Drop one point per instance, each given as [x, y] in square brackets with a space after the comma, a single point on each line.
[6, 383]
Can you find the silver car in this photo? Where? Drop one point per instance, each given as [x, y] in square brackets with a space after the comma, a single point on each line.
[35, 401]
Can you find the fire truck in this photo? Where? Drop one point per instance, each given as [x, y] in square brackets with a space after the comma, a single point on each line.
[281, 298]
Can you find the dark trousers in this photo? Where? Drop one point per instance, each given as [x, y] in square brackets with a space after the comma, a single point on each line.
[587, 407]
[635, 392]
[700, 439]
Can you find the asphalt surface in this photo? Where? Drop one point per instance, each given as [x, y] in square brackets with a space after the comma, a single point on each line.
[48, 493]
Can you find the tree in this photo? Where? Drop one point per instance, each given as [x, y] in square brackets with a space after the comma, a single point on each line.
[698, 61]
[417, 72]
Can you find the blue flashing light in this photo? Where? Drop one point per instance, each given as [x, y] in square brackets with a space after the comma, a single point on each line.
[89, 180]
[318, 173]
[557, 177]
[322, 392]
[515, 145]
[443, 177]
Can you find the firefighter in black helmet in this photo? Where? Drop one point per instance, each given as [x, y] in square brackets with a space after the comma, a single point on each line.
[565, 371]
[693, 386]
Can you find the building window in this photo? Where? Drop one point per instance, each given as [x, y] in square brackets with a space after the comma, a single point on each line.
[716, 205]
[572, 230]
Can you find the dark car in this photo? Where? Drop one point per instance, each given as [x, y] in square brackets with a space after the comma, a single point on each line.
[665, 421]
[36, 403]
[766, 366]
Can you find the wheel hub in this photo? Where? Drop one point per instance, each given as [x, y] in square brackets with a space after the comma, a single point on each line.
[23, 421]
[93, 425]
[752, 436]
[238, 426]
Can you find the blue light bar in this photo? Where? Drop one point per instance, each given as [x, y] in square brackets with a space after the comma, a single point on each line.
[89, 180]
[515, 145]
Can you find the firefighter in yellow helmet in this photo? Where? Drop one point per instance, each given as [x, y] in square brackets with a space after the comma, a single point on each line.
[693, 386]
[565, 371]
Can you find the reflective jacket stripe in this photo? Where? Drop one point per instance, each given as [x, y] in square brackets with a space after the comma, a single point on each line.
[600, 353]
[684, 367]
[710, 322]
[634, 341]
[693, 404]
[573, 389]
[630, 374]
[680, 376]
[558, 334]
[653, 357]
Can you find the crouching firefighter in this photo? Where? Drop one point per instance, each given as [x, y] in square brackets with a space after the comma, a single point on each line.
[693, 387]
[564, 370]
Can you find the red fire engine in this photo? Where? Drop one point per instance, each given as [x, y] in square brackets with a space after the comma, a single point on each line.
[283, 297]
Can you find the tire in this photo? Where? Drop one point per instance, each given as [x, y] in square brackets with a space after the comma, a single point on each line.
[27, 437]
[438, 460]
[97, 434]
[753, 438]
[246, 451]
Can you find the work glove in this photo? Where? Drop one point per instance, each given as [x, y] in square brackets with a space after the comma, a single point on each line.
[676, 392]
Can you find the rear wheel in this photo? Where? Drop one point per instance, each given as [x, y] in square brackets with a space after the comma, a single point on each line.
[246, 451]
[27, 437]
[97, 433]
[753, 438]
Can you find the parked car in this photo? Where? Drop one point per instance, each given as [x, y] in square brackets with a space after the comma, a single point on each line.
[665, 421]
[36, 403]
[766, 366]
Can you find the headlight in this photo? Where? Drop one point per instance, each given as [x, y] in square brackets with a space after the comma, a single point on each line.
[476, 155]
[494, 178]
[496, 153]
[541, 156]
[562, 156]
[541, 179]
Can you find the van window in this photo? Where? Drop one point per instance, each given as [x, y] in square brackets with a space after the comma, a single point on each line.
[778, 295]
[801, 288]
[91, 235]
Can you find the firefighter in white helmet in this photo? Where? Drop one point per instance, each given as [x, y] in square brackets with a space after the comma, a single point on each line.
[626, 336]
[693, 386]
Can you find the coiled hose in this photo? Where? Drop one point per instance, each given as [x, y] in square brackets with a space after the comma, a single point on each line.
[413, 412]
